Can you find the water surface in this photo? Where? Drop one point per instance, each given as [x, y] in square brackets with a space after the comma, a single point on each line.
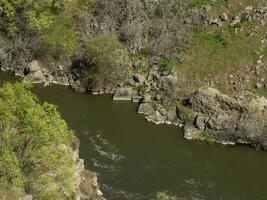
[134, 158]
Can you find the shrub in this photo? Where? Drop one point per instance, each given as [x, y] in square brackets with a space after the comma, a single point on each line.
[108, 63]
[185, 113]
[206, 137]
[38, 15]
[87, 5]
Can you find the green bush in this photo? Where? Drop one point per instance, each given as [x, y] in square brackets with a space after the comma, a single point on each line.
[36, 14]
[164, 196]
[107, 61]
[35, 150]
[87, 5]
[193, 3]
[185, 113]
[206, 137]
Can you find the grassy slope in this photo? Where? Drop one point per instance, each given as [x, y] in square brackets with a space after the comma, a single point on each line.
[218, 52]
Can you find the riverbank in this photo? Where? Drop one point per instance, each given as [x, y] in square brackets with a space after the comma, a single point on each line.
[39, 152]
[205, 114]
[212, 43]
[128, 153]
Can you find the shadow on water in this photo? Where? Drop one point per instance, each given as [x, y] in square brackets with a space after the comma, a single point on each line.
[135, 158]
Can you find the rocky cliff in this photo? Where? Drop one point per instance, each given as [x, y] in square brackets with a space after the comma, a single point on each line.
[224, 119]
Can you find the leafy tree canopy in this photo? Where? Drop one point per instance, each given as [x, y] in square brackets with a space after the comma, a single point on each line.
[36, 146]
[38, 14]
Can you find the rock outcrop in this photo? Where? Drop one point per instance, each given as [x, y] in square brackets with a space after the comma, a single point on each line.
[227, 120]
[85, 181]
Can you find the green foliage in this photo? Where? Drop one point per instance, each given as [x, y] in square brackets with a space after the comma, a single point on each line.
[194, 3]
[142, 88]
[206, 137]
[218, 50]
[38, 14]
[61, 34]
[35, 150]
[102, 45]
[87, 5]
[164, 196]
[10, 170]
[185, 113]
[143, 69]
[108, 62]
[166, 64]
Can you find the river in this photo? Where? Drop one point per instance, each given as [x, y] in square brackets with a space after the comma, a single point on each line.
[134, 158]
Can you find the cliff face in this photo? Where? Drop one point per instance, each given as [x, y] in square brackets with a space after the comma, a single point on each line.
[227, 120]
[85, 181]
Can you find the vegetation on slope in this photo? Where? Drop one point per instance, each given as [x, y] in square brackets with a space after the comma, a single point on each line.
[36, 150]
[170, 34]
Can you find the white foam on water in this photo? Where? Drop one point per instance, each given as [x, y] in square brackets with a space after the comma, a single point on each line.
[105, 149]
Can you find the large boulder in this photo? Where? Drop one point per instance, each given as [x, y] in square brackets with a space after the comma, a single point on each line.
[146, 109]
[35, 73]
[240, 119]
[156, 118]
[35, 77]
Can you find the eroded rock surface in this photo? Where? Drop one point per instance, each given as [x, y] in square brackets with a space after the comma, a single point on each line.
[240, 119]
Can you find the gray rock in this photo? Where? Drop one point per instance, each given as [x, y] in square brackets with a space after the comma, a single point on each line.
[78, 86]
[137, 99]
[158, 97]
[224, 17]
[228, 120]
[146, 109]
[34, 66]
[235, 21]
[258, 85]
[156, 118]
[123, 94]
[191, 133]
[207, 8]
[147, 98]
[35, 74]
[172, 115]
[139, 78]
[35, 77]
[249, 8]
[61, 80]
[215, 22]
[200, 122]
[27, 197]
[163, 111]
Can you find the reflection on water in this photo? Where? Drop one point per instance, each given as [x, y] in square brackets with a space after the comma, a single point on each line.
[134, 158]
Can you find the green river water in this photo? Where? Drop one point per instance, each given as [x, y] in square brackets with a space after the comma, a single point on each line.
[134, 158]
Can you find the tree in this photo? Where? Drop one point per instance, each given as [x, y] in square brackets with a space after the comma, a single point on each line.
[36, 14]
[108, 63]
[36, 151]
